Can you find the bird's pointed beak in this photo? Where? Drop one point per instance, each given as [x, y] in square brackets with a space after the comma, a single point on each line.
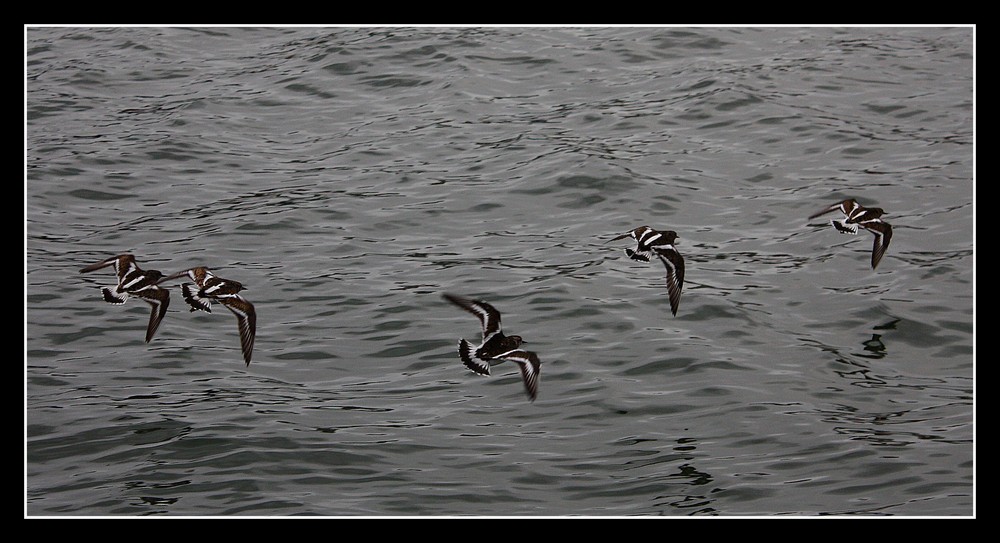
[173, 276]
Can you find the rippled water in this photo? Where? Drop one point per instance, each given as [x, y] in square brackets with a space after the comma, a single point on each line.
[349, 176]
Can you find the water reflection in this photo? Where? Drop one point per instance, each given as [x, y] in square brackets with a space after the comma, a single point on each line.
[859, 374]
[357, 172]
[693, 478]
[875, 346]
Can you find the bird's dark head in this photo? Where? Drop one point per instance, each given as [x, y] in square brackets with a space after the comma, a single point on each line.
[153, 275]
[517, 340]
[669, 236]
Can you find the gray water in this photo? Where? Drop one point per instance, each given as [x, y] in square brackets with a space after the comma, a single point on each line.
[349, 176]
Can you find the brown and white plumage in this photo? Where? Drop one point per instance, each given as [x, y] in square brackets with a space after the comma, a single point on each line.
[531, 369]
[660, 243]
[159, 299]
[211, 288]
[646, 238]
[883, 234]
[134, 281]
[494, 344]
[870, 218]
[246, 319]
[496, 347]
[674, 264]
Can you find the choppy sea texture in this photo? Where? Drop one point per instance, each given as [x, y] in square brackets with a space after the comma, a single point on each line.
[350, 176]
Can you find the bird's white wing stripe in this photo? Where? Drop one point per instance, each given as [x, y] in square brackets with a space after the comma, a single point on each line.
[649, 240]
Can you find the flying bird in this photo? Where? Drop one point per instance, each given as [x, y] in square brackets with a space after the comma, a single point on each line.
[646, 238]
[208, 288]
[662, 245]
[869, 218]
[495, 347]
[134, 281]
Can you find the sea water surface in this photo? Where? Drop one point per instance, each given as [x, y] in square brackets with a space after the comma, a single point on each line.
[350, 176]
